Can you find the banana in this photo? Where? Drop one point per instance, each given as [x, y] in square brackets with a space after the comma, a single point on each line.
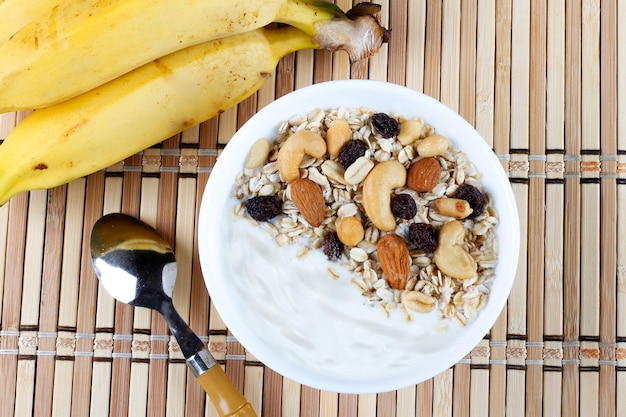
[78, 46]
[56, 144]
[14, 14]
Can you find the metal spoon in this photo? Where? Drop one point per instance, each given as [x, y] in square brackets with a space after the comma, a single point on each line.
[137, 266]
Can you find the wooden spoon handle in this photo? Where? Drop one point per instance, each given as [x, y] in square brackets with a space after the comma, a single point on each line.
[227, 400]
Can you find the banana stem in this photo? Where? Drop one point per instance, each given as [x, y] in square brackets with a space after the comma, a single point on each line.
[333, 30]
[360, 37]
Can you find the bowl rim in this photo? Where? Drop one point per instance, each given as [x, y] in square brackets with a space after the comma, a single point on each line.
[342, 89]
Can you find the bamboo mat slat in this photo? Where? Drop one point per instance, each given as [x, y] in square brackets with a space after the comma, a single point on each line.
[543, 82]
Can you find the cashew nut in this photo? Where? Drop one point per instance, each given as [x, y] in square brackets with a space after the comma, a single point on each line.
[293, 150]
[450, 256]
[377, 188]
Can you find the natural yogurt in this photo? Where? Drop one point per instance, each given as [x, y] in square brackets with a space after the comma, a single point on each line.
[324, 325]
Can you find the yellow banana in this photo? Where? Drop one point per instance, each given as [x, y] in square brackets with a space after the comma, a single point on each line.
[78, 46]
[14, 14]
[77, 137]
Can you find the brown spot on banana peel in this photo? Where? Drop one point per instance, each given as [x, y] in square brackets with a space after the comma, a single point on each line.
[75, 127]
[41, 166]
[162, 67]
[361, 37]
[187, 123]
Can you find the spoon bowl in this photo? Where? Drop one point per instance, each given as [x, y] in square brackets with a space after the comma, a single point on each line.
[137, 266]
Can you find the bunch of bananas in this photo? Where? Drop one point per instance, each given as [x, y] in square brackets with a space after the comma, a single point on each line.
[111, 78]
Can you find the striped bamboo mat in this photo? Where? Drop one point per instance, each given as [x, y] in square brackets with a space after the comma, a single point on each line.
[544, 82]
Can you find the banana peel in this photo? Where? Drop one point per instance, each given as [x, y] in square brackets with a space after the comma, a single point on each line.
[80, 45]
[90, 132]
[15, 14]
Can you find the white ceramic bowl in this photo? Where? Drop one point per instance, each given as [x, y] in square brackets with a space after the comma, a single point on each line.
[290, 314]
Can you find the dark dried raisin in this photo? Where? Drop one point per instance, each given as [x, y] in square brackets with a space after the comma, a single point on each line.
[403, 206]
[263, 208]
[332, 246]
[351, 151]
[385, 125]
[423, 236]
[474, 197]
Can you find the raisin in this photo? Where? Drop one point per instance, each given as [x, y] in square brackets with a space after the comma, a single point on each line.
[385, 125]
[332, 246]
[474, 197]
[403, 206]
[423, 236]
[263, 208]
[351, 151]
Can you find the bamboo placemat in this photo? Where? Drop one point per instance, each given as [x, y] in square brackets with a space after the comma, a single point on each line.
[544, 82]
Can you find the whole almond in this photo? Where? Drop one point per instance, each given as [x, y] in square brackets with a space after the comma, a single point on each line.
[424, 175]
[394, 259]
[309, 199]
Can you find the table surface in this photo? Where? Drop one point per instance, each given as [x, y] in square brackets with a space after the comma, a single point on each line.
[543, 82]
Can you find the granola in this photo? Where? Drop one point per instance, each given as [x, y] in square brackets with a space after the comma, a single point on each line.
[427, 288]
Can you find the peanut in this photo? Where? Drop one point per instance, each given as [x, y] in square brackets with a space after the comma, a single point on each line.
[293, 150]
[258, 153]
[451, 257]
[350, 231]
[337, 135]
[377, 188]
[410, 131]
[453, 207]
[432, 145]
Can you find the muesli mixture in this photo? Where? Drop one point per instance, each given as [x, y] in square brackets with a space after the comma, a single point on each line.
[384, 196]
